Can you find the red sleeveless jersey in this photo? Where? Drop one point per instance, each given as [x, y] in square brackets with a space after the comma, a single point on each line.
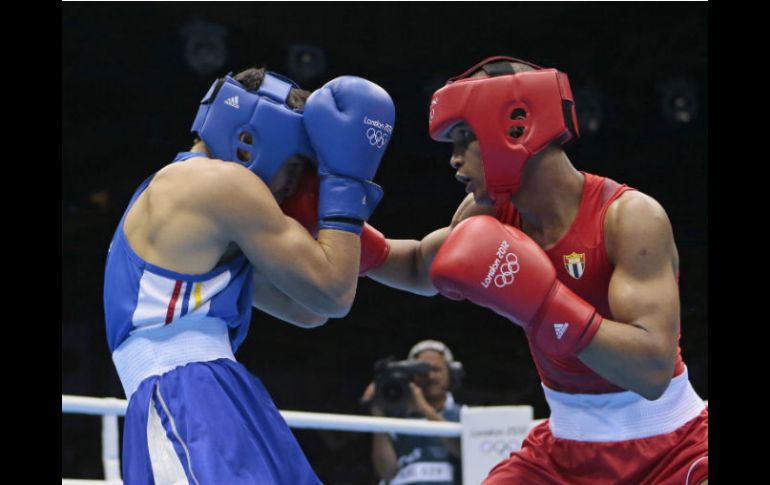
[582, 264]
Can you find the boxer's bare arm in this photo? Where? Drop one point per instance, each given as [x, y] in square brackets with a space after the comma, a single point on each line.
[321, 275]
[637, 349]
[271, 300]
[408, 265]
[469, 208]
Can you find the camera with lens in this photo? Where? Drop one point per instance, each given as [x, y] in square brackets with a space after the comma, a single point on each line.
[391, 384]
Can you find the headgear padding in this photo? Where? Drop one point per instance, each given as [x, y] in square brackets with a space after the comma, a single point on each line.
[541, 98]
[230, 116]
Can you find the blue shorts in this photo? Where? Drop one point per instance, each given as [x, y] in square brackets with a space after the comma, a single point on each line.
[209, 423]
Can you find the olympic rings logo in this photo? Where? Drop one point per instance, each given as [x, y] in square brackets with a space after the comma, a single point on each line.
[498, 447]
[376, 137]
[508, 271]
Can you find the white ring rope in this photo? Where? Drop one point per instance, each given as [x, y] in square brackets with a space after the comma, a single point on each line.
[295, 419]
[110, 408]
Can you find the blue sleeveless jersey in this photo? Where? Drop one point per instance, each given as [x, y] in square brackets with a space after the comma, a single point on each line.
[194, 415]
[140, 296]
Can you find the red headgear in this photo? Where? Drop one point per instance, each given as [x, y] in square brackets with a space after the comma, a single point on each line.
[542, 97]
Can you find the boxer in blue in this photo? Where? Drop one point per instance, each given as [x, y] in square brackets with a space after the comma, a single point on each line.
[204, 239]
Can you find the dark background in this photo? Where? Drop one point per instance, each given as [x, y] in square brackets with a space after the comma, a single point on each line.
[133, 75]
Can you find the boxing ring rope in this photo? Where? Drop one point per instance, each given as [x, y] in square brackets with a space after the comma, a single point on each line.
[110, 408]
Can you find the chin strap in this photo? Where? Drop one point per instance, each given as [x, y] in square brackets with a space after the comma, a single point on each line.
[503, 207]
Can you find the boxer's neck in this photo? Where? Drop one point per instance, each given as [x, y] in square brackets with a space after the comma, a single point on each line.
[549, 197]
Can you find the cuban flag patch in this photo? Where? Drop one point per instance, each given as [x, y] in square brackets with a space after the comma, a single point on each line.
[575, 264]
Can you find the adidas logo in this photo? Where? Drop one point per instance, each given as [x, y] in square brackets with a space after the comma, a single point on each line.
[560, 328]
[233, 101]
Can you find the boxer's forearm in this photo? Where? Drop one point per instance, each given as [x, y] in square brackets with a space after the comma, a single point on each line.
[631, 357]
[404, 269]
[408, 265]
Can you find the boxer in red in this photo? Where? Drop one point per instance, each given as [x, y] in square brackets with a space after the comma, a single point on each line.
[587, 267]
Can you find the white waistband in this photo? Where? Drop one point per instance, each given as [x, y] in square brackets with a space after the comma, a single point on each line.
[623, 415]
[156, 351]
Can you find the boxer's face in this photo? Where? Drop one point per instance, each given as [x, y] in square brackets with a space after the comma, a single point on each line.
[285, 181]
[467, 163]
[436, 384]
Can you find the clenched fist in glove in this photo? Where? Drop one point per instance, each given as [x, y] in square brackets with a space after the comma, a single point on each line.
[349, 121]
[302, 205]
[499, 267]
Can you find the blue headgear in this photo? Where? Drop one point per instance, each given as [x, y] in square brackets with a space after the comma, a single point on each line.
[276, 131]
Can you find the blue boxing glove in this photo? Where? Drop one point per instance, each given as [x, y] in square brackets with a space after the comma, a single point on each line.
[349, 121]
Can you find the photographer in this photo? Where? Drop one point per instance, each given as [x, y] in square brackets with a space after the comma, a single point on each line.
[417, 388]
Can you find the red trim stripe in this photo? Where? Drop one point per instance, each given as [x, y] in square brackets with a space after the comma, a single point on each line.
[172, 303]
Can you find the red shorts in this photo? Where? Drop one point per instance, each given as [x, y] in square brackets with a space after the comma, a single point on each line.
[676, 458]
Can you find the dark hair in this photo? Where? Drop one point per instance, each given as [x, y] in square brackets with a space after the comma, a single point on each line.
[252, 77]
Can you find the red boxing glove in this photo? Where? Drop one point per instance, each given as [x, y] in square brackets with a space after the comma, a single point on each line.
[374, 249]
[302, 205]
[499, 267]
